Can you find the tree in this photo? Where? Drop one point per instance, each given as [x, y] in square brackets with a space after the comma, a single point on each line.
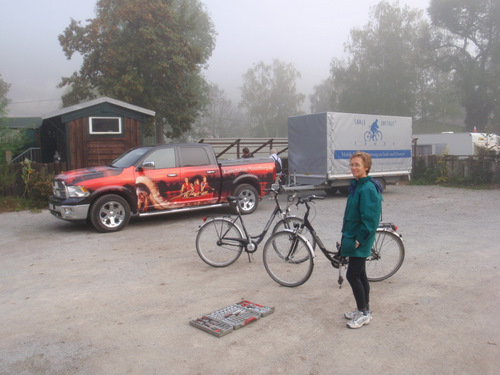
[149, 53]
[323, 97]
[269, 96]
[219, 118]
[4, 102]
[381, 71]
[10, 140]
[466, 38]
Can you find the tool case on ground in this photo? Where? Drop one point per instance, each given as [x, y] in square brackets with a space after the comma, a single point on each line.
[224, 321]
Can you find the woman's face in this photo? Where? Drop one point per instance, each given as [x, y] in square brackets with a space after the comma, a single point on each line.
[358, 168]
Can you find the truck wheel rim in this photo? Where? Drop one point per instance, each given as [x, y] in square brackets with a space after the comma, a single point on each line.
[112, 214]
[248, 200]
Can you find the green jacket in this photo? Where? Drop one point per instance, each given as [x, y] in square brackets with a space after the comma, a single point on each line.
[361, 217]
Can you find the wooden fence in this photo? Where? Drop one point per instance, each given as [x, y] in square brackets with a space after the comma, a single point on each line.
[484, 168]
[11, 182]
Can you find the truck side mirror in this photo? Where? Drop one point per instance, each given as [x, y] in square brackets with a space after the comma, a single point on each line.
[148, 165]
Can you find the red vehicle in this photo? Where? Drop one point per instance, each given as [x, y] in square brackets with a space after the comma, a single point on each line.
[153, 180]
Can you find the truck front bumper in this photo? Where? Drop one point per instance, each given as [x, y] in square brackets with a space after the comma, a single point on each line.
[73, 213]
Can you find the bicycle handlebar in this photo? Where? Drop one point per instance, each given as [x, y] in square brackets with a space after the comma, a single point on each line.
[310, 198]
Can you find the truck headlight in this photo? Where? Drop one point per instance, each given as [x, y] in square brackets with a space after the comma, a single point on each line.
[77, 192]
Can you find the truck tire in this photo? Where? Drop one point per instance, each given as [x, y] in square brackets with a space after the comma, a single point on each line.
[109, 213]
[249, 199]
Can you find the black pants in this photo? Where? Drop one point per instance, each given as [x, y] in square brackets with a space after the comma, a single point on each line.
[356, 275]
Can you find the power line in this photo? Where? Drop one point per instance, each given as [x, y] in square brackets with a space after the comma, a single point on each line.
[34, 101]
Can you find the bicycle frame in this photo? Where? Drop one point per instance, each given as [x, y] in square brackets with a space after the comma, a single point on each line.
[248, 241]
[336, 260]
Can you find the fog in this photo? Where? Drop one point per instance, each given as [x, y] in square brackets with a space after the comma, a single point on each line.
[308, 34]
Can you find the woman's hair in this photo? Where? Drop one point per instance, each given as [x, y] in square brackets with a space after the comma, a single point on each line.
[367, 159]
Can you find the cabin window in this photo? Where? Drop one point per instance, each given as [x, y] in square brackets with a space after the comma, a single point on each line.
[105, 125]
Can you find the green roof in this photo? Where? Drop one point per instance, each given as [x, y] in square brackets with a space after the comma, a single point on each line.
[22, 122]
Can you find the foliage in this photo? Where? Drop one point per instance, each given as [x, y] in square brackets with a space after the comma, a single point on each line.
[380, 74]
[422, 126]
[149, 53]
[7, 179]
[480, 173]
[4, 102]
[10, 140]
[322, 99]
[466, 40]
[269, 96]
[219, 118]
[435, 174]
[36, 184]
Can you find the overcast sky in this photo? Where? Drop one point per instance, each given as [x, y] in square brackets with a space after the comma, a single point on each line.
[308, 34]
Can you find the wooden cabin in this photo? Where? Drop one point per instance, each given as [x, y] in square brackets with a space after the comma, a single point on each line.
[92, 133]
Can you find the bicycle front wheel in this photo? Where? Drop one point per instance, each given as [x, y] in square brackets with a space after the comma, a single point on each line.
[388, 254]
[219, 242]
[288, 259]
[289, 223]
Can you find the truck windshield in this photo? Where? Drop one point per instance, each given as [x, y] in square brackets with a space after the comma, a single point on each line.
[130, 157]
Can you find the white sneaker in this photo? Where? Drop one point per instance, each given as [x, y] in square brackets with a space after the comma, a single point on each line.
[360, 321]
[352, 315]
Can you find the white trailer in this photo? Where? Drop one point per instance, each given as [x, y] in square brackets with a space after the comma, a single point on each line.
[320, 144]
[455, 143]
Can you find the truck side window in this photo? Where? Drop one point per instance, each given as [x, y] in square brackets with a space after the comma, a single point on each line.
[162, 158]
[194, 156]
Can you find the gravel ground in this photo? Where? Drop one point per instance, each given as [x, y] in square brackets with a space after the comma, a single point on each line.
[74, 301]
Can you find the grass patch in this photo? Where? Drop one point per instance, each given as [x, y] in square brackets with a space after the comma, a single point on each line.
[14, 204]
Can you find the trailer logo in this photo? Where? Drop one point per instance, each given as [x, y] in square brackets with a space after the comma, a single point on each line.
[374, 134]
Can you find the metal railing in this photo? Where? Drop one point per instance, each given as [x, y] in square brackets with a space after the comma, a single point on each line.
[231, 148]
[33, 154]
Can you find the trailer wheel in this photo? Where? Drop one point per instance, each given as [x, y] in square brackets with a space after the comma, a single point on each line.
[344, 190]
[382, 183]
[331, 191]
[249, 198]
[110, 213]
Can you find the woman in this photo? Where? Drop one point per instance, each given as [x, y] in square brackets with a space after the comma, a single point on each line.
[361, 219]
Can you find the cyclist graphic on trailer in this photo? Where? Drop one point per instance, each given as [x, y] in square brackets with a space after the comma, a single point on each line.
[373, 134]
[374, 128]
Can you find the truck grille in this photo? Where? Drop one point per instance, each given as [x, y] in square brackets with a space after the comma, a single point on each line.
[59, 189]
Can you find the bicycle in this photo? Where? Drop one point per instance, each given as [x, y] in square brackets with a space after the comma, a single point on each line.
[373, 136]
[289, 258]
[220, 241]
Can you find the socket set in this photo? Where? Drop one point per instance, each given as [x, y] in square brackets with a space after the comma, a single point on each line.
[221, 322]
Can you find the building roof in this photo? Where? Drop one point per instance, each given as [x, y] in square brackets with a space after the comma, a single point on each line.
[98, 101]
[22, 122]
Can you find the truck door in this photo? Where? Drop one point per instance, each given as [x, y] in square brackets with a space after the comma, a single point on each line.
[158, 181]
[198, 169]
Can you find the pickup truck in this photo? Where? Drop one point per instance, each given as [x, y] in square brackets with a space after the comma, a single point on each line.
[152, 180]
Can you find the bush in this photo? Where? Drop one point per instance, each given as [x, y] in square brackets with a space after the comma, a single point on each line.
[29, 187]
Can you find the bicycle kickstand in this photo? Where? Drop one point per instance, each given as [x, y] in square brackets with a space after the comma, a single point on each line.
[341, 277]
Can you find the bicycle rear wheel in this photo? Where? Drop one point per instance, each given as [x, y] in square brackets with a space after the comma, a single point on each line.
[219, 242]
[388, 254]
[289, 223]
[288, 259]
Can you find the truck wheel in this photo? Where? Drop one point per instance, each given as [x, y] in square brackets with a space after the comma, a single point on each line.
[249, 198]
[109, 213]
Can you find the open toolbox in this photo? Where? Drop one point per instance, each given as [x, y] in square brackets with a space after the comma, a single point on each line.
[224, 321]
